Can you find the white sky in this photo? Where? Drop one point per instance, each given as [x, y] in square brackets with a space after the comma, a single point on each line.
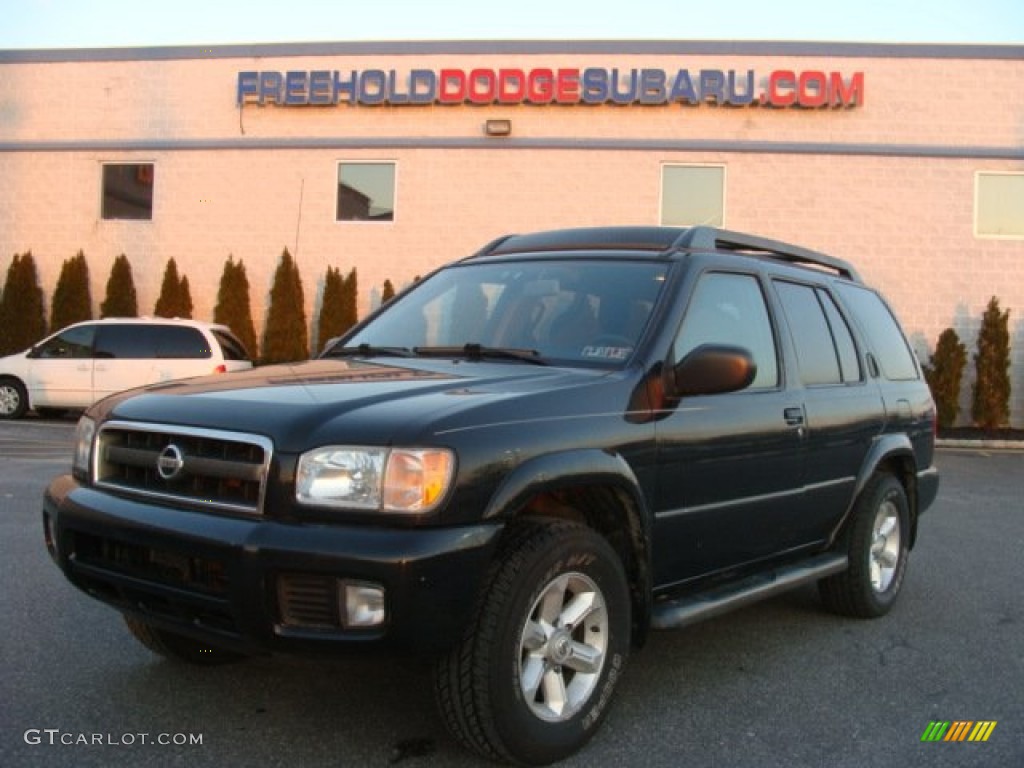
[106, 23]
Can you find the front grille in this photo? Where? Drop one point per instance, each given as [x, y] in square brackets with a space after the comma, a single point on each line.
[200, 467]
[308, 600]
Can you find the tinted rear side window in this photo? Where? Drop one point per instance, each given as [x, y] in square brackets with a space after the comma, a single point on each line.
[883, 333]
[232, 348]
[138, 342]
[181, 342]
[815, 350]
[824, 345]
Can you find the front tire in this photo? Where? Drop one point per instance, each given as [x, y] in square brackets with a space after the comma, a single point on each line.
[13, 399]
[534, 675]
[878, 551]
[178, 647]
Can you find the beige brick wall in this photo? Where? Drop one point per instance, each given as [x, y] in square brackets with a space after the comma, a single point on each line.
[907, 222]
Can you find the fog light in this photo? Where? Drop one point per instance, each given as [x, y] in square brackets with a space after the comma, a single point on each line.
[363, 604]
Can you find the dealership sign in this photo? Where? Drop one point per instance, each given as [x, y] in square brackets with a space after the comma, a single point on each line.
[593, 85]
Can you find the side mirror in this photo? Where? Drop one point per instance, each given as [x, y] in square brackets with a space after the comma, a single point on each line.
[713, 369]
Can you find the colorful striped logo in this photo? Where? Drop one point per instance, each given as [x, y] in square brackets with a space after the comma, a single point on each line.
[958, 730]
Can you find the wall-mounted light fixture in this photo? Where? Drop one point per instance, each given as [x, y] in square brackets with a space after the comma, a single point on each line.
[498, 127]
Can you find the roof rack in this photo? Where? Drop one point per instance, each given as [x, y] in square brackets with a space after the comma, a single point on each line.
[710, 238]
[663, 240]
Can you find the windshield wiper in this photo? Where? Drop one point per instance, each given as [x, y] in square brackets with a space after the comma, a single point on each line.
[479, 352]
[369, 350]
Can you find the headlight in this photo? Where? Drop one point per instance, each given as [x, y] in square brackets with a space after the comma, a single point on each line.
[84, 433]
[389, 479]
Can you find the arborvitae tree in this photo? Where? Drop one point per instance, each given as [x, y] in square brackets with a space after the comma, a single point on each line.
[121, 299]
[331, 320]
[944, 374]
[22, 309]
[388, 293]
[233, 307]
[991, 406]
[72, 299]
[170, 302]
[184, 299]
[285, 338]
[349, 298]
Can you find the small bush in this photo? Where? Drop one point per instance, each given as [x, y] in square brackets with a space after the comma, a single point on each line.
[175, 298]
[234, 308]
[331, 320]
[72, 299]
[944, 374]
[991, 405]
[121, 299]
[286, 338]
[22, 309]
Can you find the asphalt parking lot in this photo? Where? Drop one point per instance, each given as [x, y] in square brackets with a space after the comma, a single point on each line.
[778, 684]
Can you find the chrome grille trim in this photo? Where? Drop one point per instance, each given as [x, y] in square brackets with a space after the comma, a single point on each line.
[221, 470]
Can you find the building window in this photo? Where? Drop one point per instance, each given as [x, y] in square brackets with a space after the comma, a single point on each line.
[366, 191]
[999, 205]
[127, 191]
[692, 195]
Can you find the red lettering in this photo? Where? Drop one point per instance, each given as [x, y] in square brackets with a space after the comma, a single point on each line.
[777, 81]
[847, 96]
[511, 86]
[813, 89]
[540, 86]
[451, 87]
[486, 79]
[567, 86]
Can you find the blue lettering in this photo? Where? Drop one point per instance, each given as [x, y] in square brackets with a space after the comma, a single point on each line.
[652, 86]
[295, 84]
[422, 86]
[320, 87]
[623, 97]
[346, 87]
[395, 95]
[740, 98]
[595, 86]
[248, 83]
[712, 85]
[373, 87]
[682, 89]
[271, 86]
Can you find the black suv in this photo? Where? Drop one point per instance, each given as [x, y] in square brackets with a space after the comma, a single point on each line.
[520, 465]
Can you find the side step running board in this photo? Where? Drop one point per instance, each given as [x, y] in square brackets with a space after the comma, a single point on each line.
[690, 609]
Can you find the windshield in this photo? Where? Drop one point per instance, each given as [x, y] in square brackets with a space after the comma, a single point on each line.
[573, 311]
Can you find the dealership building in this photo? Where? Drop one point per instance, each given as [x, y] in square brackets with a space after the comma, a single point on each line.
[393, 158]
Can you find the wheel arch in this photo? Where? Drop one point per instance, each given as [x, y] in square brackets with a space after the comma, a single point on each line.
[599, 489]
[894, 455]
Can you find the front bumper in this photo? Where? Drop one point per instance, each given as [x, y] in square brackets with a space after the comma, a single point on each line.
[260, 585]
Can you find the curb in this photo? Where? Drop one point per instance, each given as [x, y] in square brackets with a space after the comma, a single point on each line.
[988, 445]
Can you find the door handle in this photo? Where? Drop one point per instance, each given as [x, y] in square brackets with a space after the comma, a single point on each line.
[794, 417]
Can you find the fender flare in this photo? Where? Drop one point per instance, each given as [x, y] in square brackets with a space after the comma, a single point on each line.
[588, 467]
[883, 449]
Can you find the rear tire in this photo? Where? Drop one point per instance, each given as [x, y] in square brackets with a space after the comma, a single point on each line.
[178, 647]
[878, 551]
[534, 675]
[13, 399]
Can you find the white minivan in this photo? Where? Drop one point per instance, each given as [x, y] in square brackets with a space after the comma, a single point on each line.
[87, 361]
